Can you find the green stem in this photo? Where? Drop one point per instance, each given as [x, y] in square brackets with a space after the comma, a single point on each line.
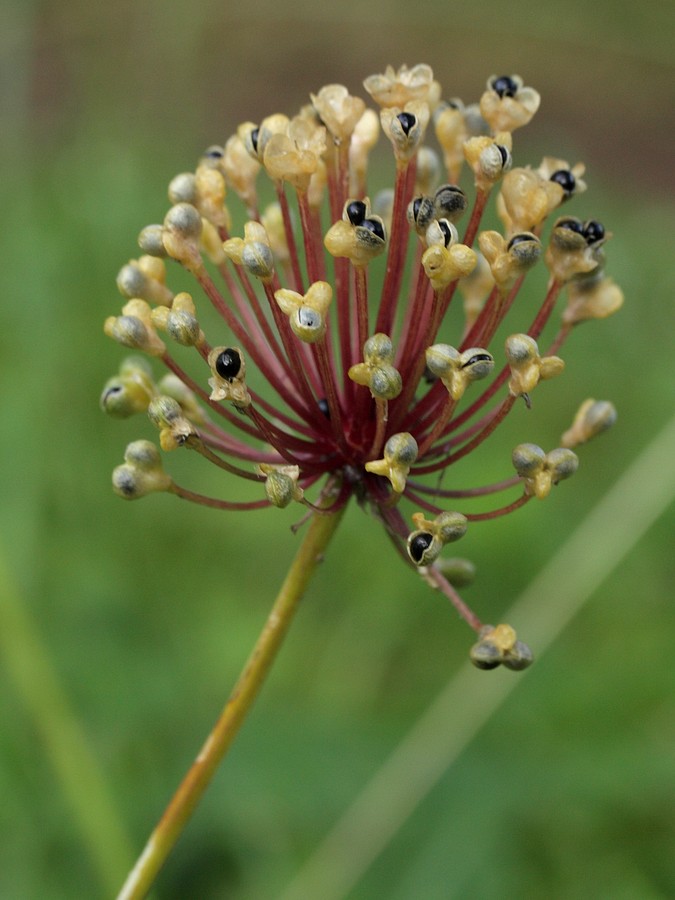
[198, 778]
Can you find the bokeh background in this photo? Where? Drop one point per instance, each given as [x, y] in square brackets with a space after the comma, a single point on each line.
[144, 613]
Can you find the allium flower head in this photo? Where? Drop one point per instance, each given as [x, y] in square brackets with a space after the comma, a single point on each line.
[340, 367]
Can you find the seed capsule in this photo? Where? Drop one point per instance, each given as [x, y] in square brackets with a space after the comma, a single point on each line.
[421, 213]
[228, 366]
[485, 655]
[592, 418]
[400, 452]
[477, 358]
[459, 571]
[150, 241]
[214, 153]
[574, 225]
[518, 239]
[519, 657]
[449, 202]
[375, 226]
[183, 188]
[309, 324]
[431, 535]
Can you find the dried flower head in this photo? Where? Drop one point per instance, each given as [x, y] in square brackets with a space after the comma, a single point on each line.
[338, 365]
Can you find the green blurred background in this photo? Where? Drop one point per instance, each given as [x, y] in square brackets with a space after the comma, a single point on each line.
[147, 611]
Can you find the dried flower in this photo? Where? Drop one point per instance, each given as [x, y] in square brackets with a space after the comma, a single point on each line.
[315, 382]
[398, 88]
[507, 104]
[338, 110]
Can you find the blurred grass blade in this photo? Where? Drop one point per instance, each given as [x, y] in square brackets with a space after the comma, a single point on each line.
[444, 731]
[37, 684]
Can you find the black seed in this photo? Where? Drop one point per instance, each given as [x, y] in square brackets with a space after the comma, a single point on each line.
[356, 212]
[407, 121]
[419, 544]
[255, 134]
[518, 239]
[503, 152]
[505, 86]
[571, 225]
[477, 357]
[447, 234]
[374, 226]
[417, 202]
[228, 364]
[323, 406]
[214, 152]
[566, 180]
[593, 231]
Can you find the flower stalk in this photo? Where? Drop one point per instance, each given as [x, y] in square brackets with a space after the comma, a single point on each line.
[303, 394]
[322, 527]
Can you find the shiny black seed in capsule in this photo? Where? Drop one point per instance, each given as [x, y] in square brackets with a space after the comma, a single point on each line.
[566, 180]
[419, 544]
[571, 225]
[214, 152]
[323, 406]
[228, 364]
[374, 226]
[505, 86]
[356, 212]
[407, 121]
[255, 134]
[593, 231]
[477, 357]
